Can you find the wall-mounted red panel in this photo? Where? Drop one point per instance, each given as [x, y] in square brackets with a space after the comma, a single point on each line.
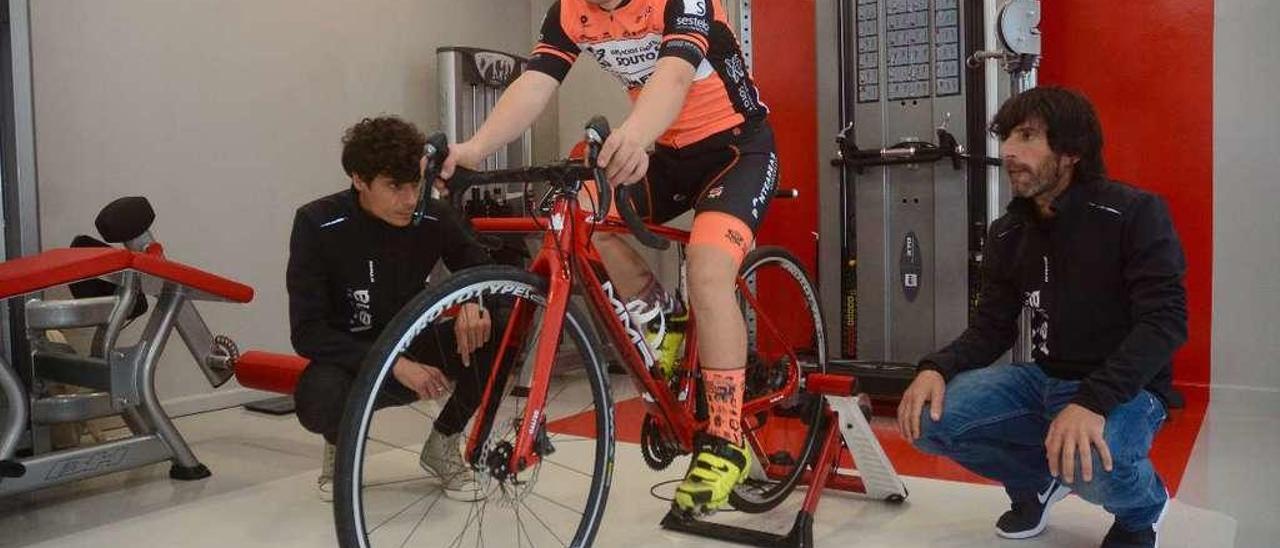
[785, 69]
[1148, 67]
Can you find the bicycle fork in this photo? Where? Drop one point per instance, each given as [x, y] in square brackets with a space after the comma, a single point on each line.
[528, 447]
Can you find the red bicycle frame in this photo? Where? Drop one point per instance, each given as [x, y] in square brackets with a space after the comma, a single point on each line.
[568, 257]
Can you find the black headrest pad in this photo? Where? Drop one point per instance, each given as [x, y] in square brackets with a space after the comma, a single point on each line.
[125, 219]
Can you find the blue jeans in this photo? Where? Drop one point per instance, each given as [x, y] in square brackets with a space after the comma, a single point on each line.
[995, 421]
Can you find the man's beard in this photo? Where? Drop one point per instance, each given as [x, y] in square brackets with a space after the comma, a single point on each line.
[1035, 181]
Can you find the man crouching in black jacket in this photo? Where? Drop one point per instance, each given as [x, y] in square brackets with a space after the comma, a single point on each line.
[354, 261]
[1098, 268]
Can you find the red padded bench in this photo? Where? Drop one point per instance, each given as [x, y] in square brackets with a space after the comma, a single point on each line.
[66, 265]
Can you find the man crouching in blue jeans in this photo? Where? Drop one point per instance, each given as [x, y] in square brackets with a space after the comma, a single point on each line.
[1098, 268]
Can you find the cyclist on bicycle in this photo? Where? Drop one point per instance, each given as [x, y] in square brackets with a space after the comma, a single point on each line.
[714, 152]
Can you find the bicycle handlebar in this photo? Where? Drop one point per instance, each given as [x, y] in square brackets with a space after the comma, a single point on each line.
[597, 132]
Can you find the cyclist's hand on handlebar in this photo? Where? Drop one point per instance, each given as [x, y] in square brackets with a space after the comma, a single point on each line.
[465, 154]
[425, 381]
[471, 329]
[624, 157]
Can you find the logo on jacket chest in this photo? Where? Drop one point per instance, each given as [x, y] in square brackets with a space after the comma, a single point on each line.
[361, 311]
[1038, 313]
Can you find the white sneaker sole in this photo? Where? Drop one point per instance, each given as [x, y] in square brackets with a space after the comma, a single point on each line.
[1058, 494]
[1168, 500]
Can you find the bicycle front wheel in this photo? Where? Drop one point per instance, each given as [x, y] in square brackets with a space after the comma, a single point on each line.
[386, 494]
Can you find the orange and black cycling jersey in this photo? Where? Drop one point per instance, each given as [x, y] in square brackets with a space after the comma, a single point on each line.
[628, 40]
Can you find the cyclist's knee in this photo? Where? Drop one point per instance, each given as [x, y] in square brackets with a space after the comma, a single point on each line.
[935, 436]
[711, 271]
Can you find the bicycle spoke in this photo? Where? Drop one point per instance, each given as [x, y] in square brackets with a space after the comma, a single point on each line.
[394, 482]
[543, 523]
[471, 517]
[521, 527]
[480, 528]
[392, 445]
[520, 531]
[415, 528]
[568, 506]
[555, 503]
[406, 508]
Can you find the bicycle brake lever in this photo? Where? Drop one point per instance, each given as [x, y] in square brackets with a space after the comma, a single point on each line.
[597, 131]
[435, 152]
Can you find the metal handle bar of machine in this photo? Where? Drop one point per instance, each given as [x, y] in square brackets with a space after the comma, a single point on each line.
[907, 152]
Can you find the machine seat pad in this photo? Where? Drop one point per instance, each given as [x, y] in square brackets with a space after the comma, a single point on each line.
[270, 371]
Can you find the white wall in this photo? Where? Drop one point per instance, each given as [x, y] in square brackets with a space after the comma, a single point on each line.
[227, 115]
[1246, 195]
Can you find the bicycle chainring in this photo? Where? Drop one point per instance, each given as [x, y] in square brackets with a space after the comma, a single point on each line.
[656, 447]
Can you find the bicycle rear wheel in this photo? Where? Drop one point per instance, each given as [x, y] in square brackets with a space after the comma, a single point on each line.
[785, 338]
[384, 498]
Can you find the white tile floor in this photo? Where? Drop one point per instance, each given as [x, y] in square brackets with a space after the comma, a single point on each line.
[262, 494]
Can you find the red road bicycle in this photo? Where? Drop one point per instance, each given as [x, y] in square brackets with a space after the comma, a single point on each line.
[542, 441]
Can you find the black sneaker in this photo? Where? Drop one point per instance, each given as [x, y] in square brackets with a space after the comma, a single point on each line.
[1028, 518]
[1119, 537]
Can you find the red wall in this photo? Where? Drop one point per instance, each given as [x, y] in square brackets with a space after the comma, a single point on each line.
[785, 69]
[1148, 68]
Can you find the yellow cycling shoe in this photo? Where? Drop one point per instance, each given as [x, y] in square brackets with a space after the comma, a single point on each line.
[717, 467]
[671, 347]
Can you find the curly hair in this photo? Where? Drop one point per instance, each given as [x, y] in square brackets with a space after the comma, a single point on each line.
[386, 145]
[1071, 123]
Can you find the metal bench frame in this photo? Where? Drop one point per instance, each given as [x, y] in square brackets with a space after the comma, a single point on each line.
[122, 377]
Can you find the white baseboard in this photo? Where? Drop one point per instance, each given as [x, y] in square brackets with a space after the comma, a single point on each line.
[1230, 398]
[221, 399]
